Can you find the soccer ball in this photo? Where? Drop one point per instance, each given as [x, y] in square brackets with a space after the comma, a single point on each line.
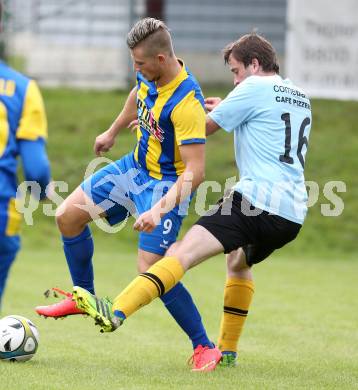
[19, 338]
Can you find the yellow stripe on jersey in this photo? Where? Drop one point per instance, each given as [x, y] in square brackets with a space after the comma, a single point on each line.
[153, 144]
[33, 123]
[179, 165]
[4, 128]
[14, 219]
[188, 118]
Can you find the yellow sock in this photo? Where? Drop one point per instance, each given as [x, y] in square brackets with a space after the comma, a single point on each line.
[238, 294]
[159, 279]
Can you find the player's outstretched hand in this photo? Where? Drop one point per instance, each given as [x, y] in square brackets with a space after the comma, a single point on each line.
[212, 102]
[146, 222]
[103, 142]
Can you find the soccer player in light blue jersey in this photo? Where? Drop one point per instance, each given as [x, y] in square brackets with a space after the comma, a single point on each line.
[23, 133]
[271, 120]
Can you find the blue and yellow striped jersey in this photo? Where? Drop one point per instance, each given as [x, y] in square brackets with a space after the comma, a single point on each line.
[22, 116]
[168, 117]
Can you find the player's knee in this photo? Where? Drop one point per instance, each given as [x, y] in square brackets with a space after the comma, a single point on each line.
[61, 209]
[61, 218]
[175, 250]
[244, 273]
[68, 223]
[178, 251]
[172, 249]
[146, 260]
[236, 265]
[142, 266]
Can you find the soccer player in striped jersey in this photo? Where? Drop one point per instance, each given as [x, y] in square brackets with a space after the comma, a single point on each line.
[23, 132]
[271, 120]
[151, 182]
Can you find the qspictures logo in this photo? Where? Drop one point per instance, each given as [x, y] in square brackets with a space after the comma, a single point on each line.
[123, 187]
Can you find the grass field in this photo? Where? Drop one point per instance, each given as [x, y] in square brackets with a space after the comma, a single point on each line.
[302, 330]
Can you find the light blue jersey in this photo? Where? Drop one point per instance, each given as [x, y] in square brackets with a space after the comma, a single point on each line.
[272, 119]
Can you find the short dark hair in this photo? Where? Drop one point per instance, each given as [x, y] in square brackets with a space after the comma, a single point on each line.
[252, 46]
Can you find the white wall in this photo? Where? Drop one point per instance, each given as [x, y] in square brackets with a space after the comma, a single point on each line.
[322, 47]
[82, 42]
[74, 43]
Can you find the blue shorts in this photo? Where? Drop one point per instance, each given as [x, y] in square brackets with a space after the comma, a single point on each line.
[122, 189]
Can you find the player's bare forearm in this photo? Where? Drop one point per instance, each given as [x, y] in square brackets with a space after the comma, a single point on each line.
[127, 115]
[211, 126]
[187, 182]
[193, 157]
[210, 104]
[106, 140]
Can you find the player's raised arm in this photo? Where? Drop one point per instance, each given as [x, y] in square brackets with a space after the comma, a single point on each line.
[193, 156]
[105, 141]
[211, 126]
[210, 104]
